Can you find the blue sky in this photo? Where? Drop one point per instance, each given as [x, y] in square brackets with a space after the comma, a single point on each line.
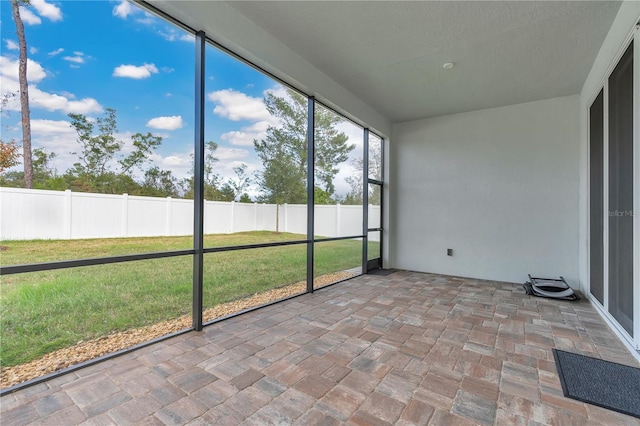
[86, 56]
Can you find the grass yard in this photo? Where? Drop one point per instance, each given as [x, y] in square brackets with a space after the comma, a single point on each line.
[44, 311]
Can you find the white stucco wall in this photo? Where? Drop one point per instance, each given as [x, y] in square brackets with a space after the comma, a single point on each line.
[623, 24]
[498, 186]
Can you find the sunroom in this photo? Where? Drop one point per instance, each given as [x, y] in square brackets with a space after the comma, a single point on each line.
[488, 141]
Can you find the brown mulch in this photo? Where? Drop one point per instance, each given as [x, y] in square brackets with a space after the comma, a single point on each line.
[86, 350]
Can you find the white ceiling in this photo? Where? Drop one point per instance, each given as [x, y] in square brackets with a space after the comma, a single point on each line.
[390, 53]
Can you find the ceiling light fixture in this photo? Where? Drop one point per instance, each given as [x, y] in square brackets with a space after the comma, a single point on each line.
[448, 65]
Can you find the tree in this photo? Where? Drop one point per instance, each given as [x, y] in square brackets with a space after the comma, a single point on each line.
[159, 183]
[283, 151]
[9, 155]
[95, 151]
[245, 198]
[45, 175]
[237, 186]
[143, 148]
[282, 179]
[24, 95]
[99, 153]
[211, 179]
[356, 181]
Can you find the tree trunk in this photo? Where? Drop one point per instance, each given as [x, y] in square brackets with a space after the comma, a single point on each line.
[24, 98]
[277, 218]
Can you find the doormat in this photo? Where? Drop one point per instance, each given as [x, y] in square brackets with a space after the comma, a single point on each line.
[599, 382]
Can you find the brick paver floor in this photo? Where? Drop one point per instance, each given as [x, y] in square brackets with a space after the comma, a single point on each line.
[408, 348]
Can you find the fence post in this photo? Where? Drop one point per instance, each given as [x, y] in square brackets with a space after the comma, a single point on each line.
[168, 217]
[67, 214]
[233, 216]
[125, 215]
[338, 218]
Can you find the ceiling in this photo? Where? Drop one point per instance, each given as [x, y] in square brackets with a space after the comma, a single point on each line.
[390, 53]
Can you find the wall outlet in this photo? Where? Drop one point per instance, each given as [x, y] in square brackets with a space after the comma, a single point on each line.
[449, 252]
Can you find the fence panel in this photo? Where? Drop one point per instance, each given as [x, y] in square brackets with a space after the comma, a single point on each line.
[147, 217]
[39, 214]
[34, 214]
[96, 215]
[181, 217]
[244, 217]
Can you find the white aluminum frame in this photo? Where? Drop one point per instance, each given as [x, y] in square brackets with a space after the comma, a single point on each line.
[632, 342]
[636, 186]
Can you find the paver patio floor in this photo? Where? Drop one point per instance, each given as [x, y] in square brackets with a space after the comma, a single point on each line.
[408, 348]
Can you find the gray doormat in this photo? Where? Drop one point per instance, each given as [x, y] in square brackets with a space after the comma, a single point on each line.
[598, 382]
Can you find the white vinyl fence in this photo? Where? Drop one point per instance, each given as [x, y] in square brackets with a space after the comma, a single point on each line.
[30, 214]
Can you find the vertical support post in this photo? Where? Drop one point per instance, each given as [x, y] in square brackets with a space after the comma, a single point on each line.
[381, 242]
[311, 105]
[365, 202]
[198, 179]
[636, 185]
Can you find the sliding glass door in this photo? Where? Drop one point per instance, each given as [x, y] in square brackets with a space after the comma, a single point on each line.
[596, 202]
[621, 191]
[612, 208]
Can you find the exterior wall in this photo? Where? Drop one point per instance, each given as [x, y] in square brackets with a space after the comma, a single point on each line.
[498, 186]
[628, 16]
[37, 214]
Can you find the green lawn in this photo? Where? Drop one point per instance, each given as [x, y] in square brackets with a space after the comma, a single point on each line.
[44, 311]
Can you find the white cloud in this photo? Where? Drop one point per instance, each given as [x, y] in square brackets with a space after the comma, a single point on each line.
[53, 102]
[237, 106]
[225, 154]
[340, 181]
[37, 97]
[355, 135]
[166, 123]
[9, 70]
[178, 163]
[136, 72]
[123, 9]
[279, 91]
[175, 160]
[47, 10]
[175, 35]
[246, 135]
[33, 50]
[11, 45]
[145, 21]
[56, 52]
[52, 127]
[56, 136]
[28, 17]
[78, 59]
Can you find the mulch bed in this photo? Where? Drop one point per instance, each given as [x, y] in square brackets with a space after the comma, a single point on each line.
[86, 350]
